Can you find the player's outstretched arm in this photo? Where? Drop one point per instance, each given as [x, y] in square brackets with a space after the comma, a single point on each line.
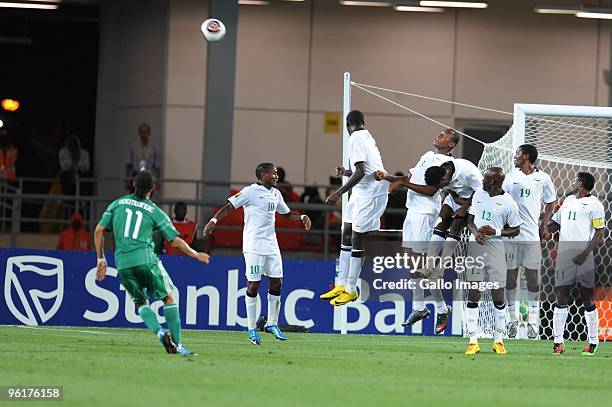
[297, 217]
[404, 180]
[352, 181]
[99, 245]
[182, 246]
[221, 213]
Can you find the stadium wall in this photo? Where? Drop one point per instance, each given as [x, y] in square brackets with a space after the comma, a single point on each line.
[289, 64]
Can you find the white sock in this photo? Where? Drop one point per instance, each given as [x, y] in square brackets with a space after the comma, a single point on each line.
[592, 320]
[251, 308]
[345, 261]
[512, 304]
[450, 244]
[354, 271]
[418, 297]
[472, 323]
[534, 308]
[500, 323]
[438, 298]
[559, 318]
[273, 308]
[435, 245]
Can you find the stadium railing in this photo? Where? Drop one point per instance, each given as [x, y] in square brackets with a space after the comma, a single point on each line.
[15, 194]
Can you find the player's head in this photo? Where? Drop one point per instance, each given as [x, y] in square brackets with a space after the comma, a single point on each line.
[144, 183]
[493, 179]
[144, 132]
[180, 211]
[449, 168]
[446, 140]
[585, 180]
[281, 174]
[434, 175]
[354, 121]
[267, 174]
[524, 154]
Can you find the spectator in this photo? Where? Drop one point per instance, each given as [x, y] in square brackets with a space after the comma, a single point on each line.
[74, 163]
[285, 187]
[143, 154]
[8, 156]
[76, 237]
[185, 227]
[397, 200]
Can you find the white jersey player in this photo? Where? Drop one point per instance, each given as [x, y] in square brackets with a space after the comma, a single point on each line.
[581, 221]
[493, 214]
[423, 210]
[530, 188]
[366, 204]
[261, 201]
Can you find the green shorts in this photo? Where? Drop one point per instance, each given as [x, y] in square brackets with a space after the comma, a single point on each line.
[143, 282]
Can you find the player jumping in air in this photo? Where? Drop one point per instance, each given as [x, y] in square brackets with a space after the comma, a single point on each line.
[530, 188]
[423, 207]
[366, 205]
[262, 255]
[581, 223]
[493, 214]
[132, 219]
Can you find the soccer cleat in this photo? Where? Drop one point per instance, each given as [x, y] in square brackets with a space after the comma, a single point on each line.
[275, 330]
[558, 348]
[166, 340]
[511, 329]
[499, 348]
[415, 316]
[442, 321]
[472, 349]
[254, 337]
[531, 331]
[181, 350]
[333, 293]
[344, 298]
[590, 349]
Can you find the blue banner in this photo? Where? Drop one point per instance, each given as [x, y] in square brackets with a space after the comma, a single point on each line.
[45, 287]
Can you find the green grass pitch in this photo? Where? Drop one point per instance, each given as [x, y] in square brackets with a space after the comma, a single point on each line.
[128, 367]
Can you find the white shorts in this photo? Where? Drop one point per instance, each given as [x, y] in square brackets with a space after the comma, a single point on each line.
[417, 231]
[258, 265]
[347, 212]
[494, 274]
[568, 273]
[526, 254]
[365, 213]
[451, 202]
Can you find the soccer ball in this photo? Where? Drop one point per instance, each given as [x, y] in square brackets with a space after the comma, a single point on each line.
[213, 30]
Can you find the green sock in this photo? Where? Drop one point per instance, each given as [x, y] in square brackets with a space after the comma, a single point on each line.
[173, 320]
[150, 318]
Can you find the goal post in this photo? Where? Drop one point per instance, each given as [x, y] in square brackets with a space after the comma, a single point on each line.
[569, 139]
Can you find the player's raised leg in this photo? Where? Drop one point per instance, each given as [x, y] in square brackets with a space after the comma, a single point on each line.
[345, 261]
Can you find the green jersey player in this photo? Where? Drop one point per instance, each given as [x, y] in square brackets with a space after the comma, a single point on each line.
[132, 219]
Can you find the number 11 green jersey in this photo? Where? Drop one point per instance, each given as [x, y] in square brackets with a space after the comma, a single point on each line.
[132, 221]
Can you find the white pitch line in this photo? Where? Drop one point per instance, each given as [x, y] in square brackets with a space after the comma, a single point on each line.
[43, 328]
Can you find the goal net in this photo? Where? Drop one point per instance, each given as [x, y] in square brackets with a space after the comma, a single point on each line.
[569, 139]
